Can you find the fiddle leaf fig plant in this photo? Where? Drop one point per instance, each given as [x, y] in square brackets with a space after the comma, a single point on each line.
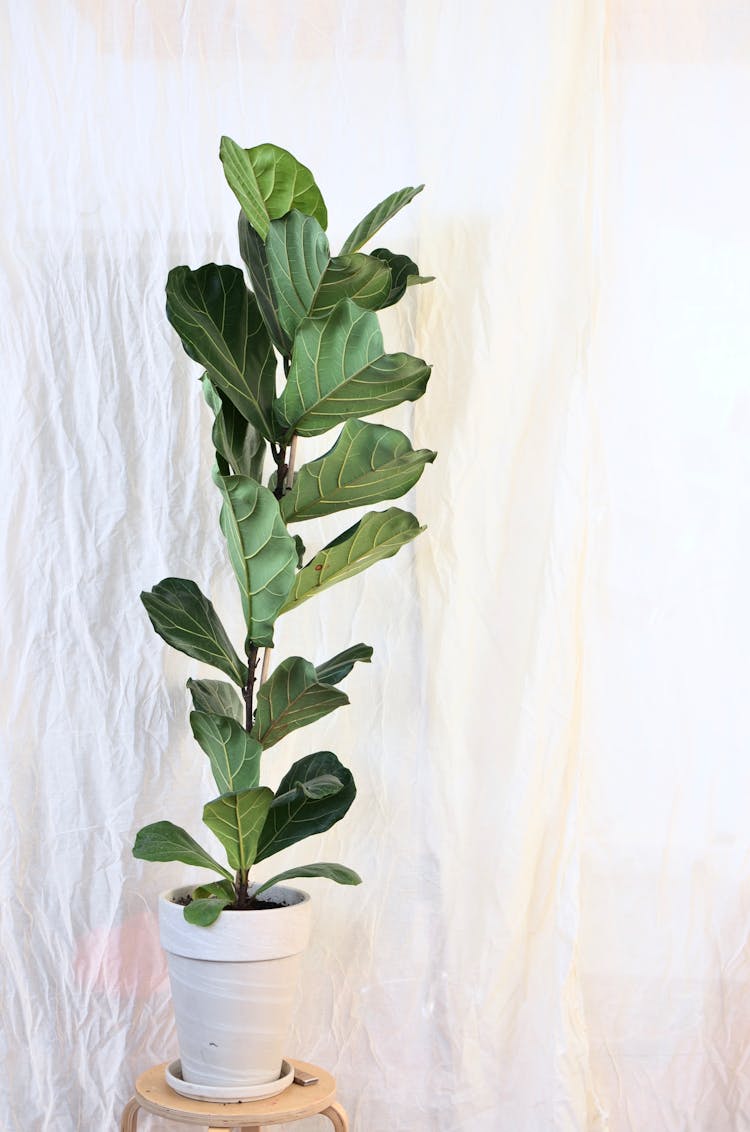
[316, 314]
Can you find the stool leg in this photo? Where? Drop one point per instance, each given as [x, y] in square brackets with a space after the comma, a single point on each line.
[337, 1117]
[129, 1122]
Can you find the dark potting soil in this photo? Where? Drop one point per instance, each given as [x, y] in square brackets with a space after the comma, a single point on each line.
[253, 905]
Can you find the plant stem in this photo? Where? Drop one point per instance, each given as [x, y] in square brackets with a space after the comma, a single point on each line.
[240, 887]
[266, 665]
[247, 691]
[292, 458]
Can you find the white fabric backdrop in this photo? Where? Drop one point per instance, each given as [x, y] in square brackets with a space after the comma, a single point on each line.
[551, 745]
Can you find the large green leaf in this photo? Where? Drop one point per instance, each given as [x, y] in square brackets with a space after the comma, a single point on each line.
[298, 810]
[221, 327]
[237, 821]
[164, 841]
[187, 620]
[217, 697]
[379, 216]
[378, 535]
[233, 754]
[306, 281]
[234, 438]
[340, 370]
[291, 698]
[404, 273]
[253, 252]
[340, 873]
[262, 552]
[269, 182]
[334, 670]
[368, 463]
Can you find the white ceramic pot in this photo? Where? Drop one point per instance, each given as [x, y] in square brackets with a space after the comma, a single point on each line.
[233, 986]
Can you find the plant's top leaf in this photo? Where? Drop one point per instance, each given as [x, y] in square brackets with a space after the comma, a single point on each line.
[268, 181]
[340, 665]
[187, 620]
[379, 216]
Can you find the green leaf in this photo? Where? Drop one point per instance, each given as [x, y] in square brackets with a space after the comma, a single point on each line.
[187, 620]
[253, 252]
[294, 815]
[291, 698]
[234, 438]
[221, 327]
[164, 841]
[379, 216]
[216, 696]
[261, 550]
[300, 551]
[206, 911]
[305, 281]
[269, 182]
[237, 821]
[340, 873]
[368, 463]
[340, 665]
[208, 901]
[378, 535]
[233, 754]
[340, 370]
[404, 272]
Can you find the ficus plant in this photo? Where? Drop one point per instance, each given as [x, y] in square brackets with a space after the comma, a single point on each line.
[316, 313]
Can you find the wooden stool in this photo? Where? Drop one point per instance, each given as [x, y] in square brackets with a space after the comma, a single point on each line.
[153, 1094]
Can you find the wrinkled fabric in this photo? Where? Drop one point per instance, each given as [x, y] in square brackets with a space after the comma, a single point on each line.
[550, 745]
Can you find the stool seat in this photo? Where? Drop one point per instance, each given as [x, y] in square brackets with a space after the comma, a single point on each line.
[153, 1094]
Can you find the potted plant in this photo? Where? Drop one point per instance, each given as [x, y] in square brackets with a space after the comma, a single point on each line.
[232, 945]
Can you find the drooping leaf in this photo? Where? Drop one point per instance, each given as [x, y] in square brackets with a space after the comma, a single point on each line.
[237, 821]
[294, 815]
[368, 463]
[253, 252]
[208, 901]
[261, 550]
[340, 370]
[269, 182]
[305, 281]
[221, 327]
[379, 216]
[234, 438]
[233, 754]
[205, 910]
[164, 841]
[378, 535]
[404, 272]
[340, 665]
[291, 698]
[216, 696]
[187, 620]
[340, 873]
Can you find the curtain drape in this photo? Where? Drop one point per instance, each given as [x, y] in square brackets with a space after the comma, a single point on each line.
[551, 743]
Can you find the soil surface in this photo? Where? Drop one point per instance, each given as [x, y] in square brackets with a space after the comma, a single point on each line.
[253, 905]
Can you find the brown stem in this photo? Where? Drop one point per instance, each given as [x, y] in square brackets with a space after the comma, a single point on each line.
[247, 691]
[241, 887]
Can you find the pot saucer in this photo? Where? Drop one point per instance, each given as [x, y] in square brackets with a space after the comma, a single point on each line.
[223, 1093]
